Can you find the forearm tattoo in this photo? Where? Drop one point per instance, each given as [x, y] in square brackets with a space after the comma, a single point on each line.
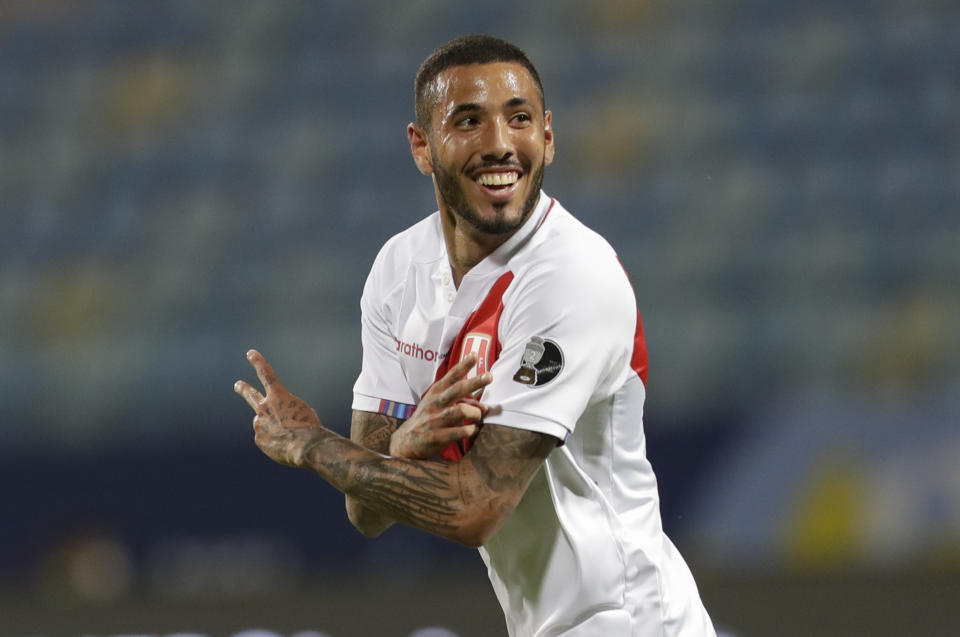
[434, 496]
[503, 456]
[417, 493]
[372, 430]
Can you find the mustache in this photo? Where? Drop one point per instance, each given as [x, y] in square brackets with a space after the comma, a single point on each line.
[521, 165]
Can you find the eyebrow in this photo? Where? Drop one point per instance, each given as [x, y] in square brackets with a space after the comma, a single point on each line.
[517, 101]
[473, 107]
[466, 107]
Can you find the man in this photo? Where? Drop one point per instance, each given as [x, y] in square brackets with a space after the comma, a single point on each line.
[501, 294]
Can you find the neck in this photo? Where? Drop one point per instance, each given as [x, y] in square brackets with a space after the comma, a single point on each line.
[466, 246]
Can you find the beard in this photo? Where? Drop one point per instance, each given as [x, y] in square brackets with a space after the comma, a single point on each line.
[455, 199]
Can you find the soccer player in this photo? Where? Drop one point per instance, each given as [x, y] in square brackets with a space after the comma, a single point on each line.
[501, 393]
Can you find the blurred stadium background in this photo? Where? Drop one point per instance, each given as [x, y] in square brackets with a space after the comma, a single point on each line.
[182, 180]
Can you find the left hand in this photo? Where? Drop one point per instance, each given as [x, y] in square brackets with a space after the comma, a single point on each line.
[446, 413]
[283, 423]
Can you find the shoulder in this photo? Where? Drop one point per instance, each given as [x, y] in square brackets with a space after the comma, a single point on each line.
[420, 243]
[578, 243]
[568, 256]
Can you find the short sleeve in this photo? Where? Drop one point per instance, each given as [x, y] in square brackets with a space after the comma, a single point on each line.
[381, 386]
[567, 338]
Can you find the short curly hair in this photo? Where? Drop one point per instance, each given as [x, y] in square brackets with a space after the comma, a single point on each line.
[468, 49]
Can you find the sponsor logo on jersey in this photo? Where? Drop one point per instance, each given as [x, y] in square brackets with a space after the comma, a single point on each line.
[542, 361]
[414, 350]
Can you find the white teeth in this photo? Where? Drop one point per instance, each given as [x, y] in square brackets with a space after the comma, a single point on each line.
[498, 179]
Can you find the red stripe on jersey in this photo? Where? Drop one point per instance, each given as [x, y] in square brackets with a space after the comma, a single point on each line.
[481, 328]
[638, 362]
[546, 214]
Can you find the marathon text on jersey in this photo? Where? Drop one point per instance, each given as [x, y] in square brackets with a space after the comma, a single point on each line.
[418, 351]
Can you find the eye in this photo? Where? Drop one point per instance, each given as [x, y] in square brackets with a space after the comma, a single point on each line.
[467, 122]
[521, 118]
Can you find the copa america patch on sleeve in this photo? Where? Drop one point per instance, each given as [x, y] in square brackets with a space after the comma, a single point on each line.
[542, 361]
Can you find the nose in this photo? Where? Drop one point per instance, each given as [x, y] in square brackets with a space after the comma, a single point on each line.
[498, 142]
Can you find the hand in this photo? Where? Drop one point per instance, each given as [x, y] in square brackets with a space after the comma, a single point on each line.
[447, 413]
[284, 423]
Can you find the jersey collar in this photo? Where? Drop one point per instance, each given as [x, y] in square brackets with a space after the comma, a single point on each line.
[496, 259]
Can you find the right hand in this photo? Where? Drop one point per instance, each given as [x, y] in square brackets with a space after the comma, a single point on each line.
[283, 424]
[447, 413]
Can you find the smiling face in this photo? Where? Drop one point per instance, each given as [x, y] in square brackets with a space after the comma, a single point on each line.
[488, 141]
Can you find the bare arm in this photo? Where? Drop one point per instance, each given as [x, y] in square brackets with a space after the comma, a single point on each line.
[372, 431]
[465, 501]
[447, 413]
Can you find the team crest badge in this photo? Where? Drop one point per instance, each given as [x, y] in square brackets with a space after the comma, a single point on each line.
[542, 361]
[479, 344]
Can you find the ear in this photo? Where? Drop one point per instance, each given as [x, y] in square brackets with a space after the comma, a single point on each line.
[420, 148]
[548, 149]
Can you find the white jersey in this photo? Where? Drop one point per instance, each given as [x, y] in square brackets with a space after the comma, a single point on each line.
[552, 315]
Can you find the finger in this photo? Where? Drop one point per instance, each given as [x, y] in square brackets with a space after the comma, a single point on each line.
[458, 371]
[251, 395]
[475, 384]
[464, 388]
[453, 434]
[454, 374]
[485, 409]
[491, 410]
[264, 372]
[455, 415]
[471, 413]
